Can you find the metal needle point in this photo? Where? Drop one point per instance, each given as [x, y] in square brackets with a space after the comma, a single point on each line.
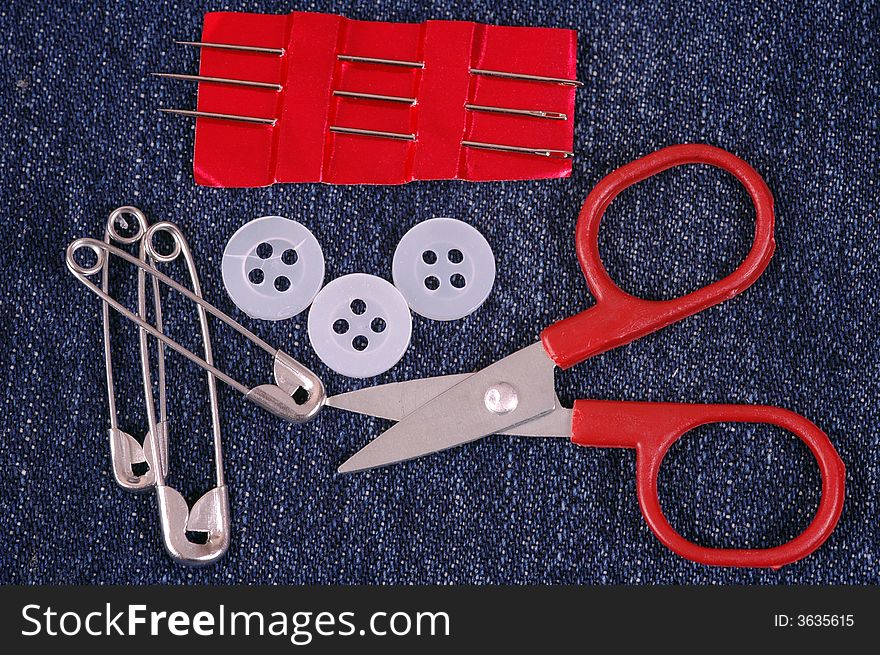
[220, 80]
[225, 117]
[379, 60]
[399, 136]
[238, 48]
[534, 113]
[540, 152]
[528, 78]
[375, 96]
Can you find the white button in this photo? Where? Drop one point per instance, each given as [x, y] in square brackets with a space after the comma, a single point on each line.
[360, 325]
[272, 268]
[444, 268]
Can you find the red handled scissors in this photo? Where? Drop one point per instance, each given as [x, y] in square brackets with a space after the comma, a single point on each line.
[516, 395]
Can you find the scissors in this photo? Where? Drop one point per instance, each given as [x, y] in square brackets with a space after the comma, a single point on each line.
[516, 395]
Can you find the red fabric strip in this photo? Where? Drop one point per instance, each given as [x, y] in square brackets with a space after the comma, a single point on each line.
[441, 114]
[364, 159]
[303, 123]
[231, 154]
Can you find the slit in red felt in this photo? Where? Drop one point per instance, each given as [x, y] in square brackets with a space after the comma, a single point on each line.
[283, 95]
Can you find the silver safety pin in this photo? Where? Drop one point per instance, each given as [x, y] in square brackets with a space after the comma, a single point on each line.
[209, 516]
[297, 395]
[126, 454]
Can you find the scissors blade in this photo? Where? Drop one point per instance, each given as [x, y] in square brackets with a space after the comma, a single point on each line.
[556, 423]
[395, 400]
[510, 392]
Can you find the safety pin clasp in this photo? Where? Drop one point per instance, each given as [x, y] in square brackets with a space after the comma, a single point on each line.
[208, 518]
[133, 463]
[297, 395]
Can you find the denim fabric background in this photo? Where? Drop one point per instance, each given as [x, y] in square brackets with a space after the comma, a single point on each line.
[791, 89]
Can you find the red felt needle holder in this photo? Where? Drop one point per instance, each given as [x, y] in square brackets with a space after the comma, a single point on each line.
[300, 146]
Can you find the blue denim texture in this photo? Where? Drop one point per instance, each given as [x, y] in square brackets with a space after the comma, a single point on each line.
[791, 88]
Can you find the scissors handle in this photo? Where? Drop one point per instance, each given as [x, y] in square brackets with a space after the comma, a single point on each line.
[651, 428]
[618, 318]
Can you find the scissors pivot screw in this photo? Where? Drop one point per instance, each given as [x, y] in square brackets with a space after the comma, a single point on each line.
[501, 398]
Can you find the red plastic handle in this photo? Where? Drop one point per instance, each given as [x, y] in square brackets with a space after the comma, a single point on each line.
[651, 428]
[618, 317]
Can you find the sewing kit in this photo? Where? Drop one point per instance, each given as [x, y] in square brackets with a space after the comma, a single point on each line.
[310, 97]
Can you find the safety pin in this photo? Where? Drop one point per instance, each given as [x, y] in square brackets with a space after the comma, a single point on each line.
[297, 395]
[209, 516]
[126, 454]
[541, 152]
[219, 80]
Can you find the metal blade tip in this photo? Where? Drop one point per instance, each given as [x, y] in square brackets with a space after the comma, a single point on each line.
[350, 466]
[370, 456]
